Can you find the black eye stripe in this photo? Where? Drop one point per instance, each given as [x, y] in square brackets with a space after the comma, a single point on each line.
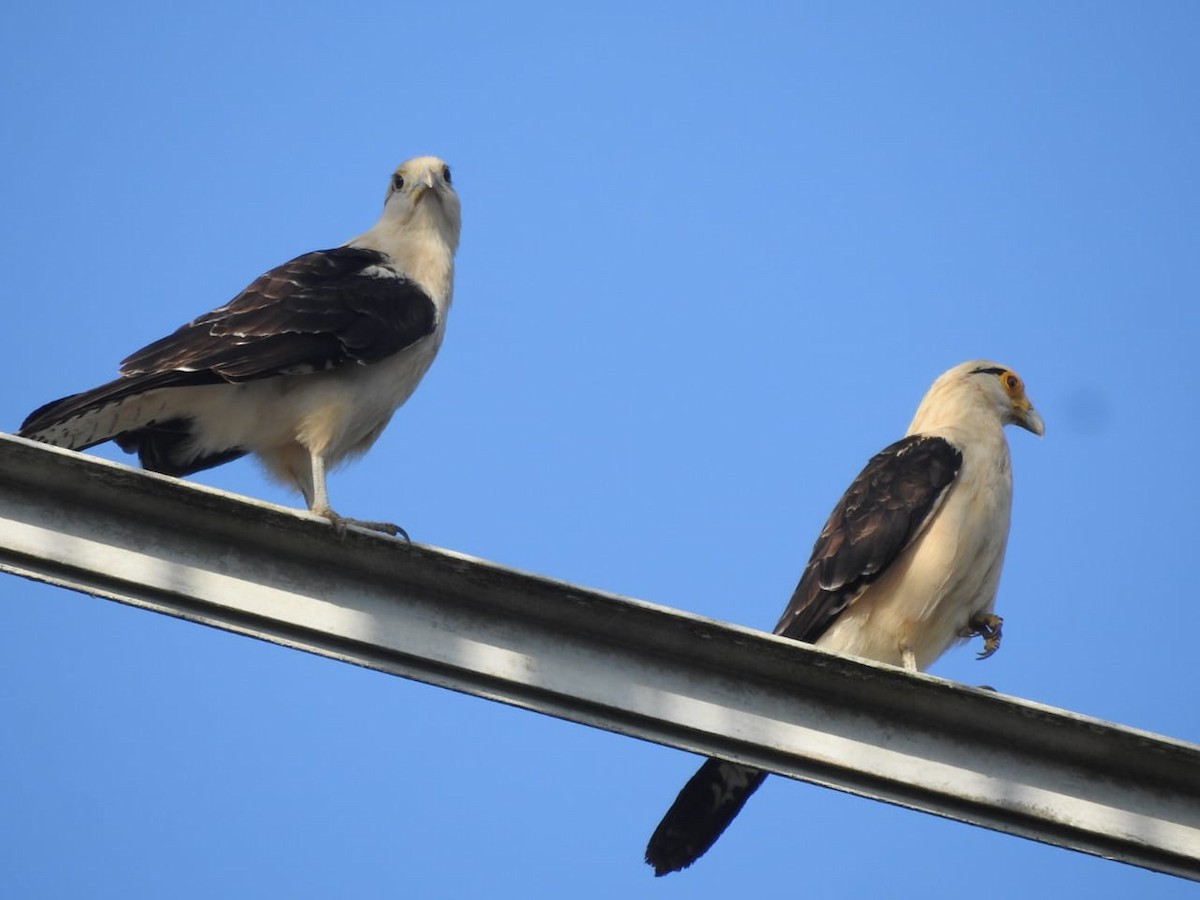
[989, 370]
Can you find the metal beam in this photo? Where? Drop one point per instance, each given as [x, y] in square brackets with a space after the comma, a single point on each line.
[602, 660]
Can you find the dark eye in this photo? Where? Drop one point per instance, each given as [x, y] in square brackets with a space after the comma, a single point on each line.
[446, 174]
[1012, 383]
[397, 182]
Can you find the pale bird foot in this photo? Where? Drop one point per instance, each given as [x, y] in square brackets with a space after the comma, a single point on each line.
[339, 524]
[386, 527]
[989, 626]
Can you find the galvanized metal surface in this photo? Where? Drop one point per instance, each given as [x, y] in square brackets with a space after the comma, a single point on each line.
[598, 659]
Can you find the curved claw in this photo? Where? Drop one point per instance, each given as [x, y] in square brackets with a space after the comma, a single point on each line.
[386, 527]
[990, 627]
[339, 524]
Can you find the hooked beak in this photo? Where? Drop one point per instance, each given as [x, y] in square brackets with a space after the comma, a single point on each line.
[1027, 417]
[424, 186]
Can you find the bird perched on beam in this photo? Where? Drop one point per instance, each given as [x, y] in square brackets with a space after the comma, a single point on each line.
[907, 565]
[303, 369]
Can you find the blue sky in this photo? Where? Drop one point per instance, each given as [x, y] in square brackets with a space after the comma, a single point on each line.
[712, 257]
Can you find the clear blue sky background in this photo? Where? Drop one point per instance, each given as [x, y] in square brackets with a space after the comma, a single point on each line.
[712, 258]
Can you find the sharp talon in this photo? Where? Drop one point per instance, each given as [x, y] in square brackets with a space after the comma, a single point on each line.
[339, 524]
[387, 528]
[989, 626]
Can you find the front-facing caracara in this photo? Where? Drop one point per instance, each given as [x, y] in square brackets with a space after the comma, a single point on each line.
[304, 368]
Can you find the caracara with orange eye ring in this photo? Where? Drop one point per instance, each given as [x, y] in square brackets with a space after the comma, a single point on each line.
[907, 565]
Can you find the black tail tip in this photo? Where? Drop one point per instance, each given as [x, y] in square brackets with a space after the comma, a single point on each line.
[663, 865]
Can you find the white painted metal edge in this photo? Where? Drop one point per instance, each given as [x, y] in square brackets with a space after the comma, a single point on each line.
[602, 660]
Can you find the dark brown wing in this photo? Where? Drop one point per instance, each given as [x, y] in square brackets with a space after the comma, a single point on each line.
[881, 513]
[883, 510]
[319, 310]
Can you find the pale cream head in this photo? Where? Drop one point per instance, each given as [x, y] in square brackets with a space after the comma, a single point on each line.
[421, 192]
[979, 388]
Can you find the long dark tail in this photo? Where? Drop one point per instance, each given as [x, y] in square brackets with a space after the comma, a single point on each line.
[55, 422]
[700, 814]
[128, 410]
